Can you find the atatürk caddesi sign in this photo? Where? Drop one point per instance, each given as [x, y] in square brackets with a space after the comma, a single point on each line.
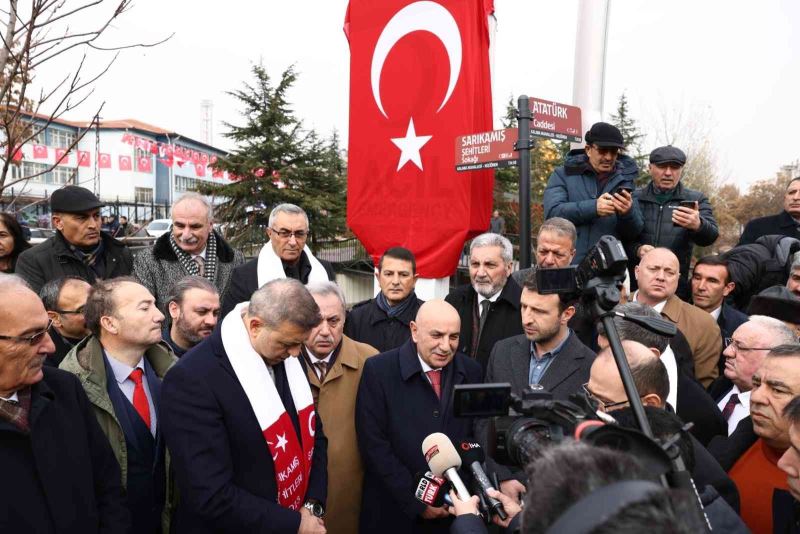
[486, 150]
[555, 121]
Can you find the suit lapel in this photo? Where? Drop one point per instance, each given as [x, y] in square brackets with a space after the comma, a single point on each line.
[520, 364]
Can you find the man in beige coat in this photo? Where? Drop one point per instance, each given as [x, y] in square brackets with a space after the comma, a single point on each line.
[334, 364]
[657, 275]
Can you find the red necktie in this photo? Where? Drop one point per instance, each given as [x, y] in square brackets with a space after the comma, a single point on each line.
[139, 397]
[436, 381]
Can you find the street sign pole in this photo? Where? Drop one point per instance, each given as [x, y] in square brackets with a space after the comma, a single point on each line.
[523, 146]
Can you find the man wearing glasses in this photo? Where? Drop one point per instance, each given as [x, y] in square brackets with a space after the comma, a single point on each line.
[64, 299]
[593, 190]
[60, 472]
[743, 354]
[285, 256]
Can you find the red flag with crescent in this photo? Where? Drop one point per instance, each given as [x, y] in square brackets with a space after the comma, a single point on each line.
[62, 156]
[39, 152]
[419, 78]
[84, 158]
[124, 163]
[103, 161]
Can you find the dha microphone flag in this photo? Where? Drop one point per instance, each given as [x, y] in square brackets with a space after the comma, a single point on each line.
[431, 490]
[472, 456]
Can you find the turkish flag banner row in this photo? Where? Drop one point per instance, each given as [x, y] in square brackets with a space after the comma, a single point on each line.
[419, 78]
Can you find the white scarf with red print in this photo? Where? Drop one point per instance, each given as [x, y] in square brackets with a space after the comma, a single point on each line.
[291, 458]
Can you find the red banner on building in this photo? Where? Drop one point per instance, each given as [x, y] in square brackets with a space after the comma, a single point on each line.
[419, 77]
[125, 163]
[84, 158]
[62, 157]
[104, 161]
[39, 152]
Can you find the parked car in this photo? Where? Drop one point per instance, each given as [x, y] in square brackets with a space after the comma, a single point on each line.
[39, 235]
[158, 227]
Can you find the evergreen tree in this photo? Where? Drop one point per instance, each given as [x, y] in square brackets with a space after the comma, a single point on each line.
[276, 160]
[632, 137]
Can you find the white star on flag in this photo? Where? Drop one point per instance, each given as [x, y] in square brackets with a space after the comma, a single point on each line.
[410, 146]
[282, 441]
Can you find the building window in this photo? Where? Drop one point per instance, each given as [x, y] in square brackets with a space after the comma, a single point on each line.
[28, 169]
[61, 138]
[144, 195]
[147, 156]
[184, 183]
[63, 175]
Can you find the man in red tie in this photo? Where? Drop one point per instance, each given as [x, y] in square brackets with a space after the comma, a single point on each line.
[405, 394]
[121, 366]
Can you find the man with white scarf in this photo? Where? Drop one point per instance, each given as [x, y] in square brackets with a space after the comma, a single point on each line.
[286, 255]
[238, 416]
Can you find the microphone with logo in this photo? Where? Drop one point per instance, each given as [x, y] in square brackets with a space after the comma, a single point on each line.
[472, 456]
[432, 490]
[444, 461]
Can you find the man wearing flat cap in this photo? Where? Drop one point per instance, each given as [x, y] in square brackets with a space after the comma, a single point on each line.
[593, 190]
[675, 217]
[79, 248]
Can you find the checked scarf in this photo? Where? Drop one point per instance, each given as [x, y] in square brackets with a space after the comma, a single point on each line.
[190, 266]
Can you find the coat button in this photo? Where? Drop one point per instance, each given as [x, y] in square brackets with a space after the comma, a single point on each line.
[436, 413]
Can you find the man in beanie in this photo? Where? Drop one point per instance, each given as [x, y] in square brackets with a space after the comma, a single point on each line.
[675, 217]
[79, 248]
[593, 190]
[780, 303]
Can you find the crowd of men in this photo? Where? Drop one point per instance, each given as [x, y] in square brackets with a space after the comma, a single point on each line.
[189, 390]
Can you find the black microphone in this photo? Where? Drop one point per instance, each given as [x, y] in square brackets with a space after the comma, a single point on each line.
[472, 455]
[431, 490]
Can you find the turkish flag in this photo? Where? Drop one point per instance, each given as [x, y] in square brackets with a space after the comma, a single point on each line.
[195, 156]
[204, 158]
[39, 152]
[17, 154]
[62, 153]
[128, 138]
[84, 158]
[144, 164]
[104, 161]
[419, 78]
[125, 163]
[200, 169]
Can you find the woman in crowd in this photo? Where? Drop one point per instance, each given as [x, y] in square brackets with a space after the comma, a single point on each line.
[12, 243]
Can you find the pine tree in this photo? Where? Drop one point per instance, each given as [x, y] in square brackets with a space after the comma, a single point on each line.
[632, 137]
[276, 160]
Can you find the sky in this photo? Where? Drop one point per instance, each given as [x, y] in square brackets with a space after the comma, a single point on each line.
[725, 71]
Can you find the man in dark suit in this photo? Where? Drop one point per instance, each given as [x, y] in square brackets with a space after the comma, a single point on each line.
[786, 222]
[404, 396]
[711, 283]
[685, 395]
[238, 415]
[284, 256]
[489, 306]
[59, 472]
[548, 353]
[64, 299]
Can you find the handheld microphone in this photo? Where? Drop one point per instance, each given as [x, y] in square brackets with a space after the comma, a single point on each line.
[472, 455]
[432, 490]
[443, 460]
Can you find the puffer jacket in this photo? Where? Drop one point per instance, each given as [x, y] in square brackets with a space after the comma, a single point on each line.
[572, 193]
[660, 232]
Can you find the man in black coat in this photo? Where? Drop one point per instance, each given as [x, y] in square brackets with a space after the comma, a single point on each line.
[675, 217]
[64, 299]
[60, 471]
[383, 322]
[785, 223]
[284, 256]
[79, 247]
[238, 416]
[489, 306]
[404, 396]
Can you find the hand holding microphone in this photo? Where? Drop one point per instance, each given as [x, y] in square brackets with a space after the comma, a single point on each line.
[472, 455]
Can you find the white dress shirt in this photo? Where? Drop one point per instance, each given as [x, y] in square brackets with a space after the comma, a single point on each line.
[741, 411]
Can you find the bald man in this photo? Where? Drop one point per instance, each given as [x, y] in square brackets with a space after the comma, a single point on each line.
[657, 276]
[405, 395]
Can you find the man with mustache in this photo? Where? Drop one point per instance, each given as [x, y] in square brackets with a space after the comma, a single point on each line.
[785, 223]
[489, 307]
[59, 470]
[193, 307]
[79, 248]
[756, 473]
[191, 247]
[121, 366]
[405, 395]
[657, 275]
[334, 366]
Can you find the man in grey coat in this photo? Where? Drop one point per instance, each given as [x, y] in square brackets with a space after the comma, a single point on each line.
[191, 247]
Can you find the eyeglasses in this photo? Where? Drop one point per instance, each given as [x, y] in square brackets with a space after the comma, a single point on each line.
[729, 341]
[33, 339]
[602, 404]
[287, 234]
[613, 151]
[79, 311]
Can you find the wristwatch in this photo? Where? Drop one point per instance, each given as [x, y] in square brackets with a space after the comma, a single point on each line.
[315, 508]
